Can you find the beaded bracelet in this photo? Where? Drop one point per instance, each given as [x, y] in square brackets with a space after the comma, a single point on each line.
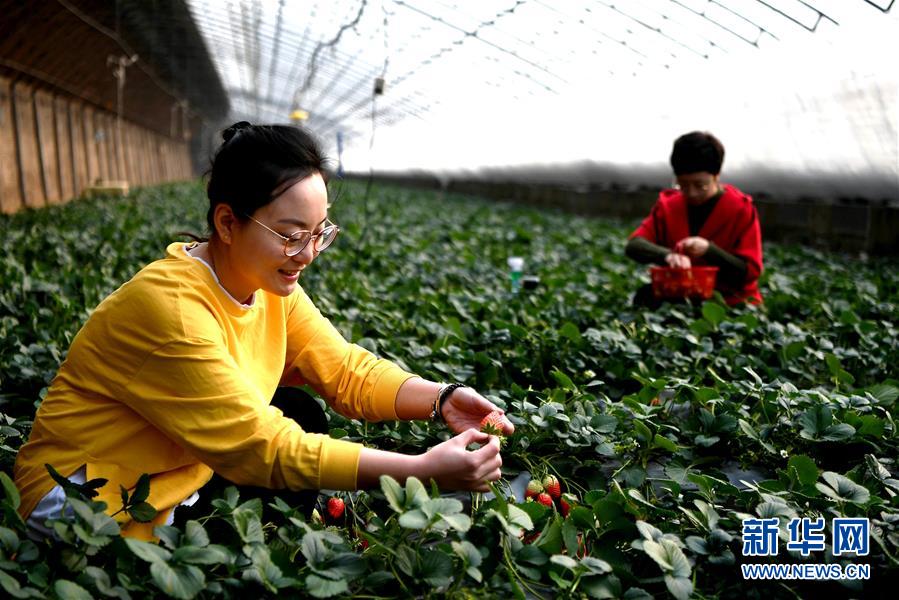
[442, 396]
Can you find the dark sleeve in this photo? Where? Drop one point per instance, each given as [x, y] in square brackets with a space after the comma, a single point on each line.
[732, 268]
[643, 251]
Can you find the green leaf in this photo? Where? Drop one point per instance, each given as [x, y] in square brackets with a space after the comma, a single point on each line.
[754, 375]
[886, 395]
[697, 544]
[9, 539]
[248, 526]
[88, 538]
[815, 421]
[660, 441]
[532, 555]
[444, 506]
[414, 519]
[570, 330]
[82, 510]
[142, 512]
[141, 490]
[100, 580]
[320, 587]
[313, 546]
[394, 493]
[875, 468]
[750, 432]
[838, 432]
[55, 475]
[794, 350]
[12, 587]
[713, 313]
[517, 516]
[833, 363]
[706, 441]
[642, 432]
[649, 531]
[436, 567]
[195, 534]
[770, 510]
[87, 489]
[151, 553]
[263, 570]
[70, 590]
[182, 582]
[468, 552]
[569, 537]
[416, 494]
[562, 379]
[10, 490]
[603, 588]
[461, 523]
[210, 555]
[550, 540]
[668, 556]
[596, 565]
[680, 587]
[563, 561]
[407, 560]
[839, 487]
[803, 469]
[872, 426]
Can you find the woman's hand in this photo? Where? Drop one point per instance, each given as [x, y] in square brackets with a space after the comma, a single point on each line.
[677, 260]
[450, 464]
[465, 408]
[454, 467]
[693, 246]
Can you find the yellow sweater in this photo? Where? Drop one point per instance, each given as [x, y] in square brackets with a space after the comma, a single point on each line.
[171, 376]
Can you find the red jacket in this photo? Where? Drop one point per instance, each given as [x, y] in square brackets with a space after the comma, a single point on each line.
[733, 226]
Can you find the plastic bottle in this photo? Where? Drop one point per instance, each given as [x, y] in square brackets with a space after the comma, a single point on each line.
[516, 266]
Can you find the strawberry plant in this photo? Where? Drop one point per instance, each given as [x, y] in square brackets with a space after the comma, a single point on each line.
[652, 435]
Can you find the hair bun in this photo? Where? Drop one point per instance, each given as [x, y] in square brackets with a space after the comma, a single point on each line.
[234, 129]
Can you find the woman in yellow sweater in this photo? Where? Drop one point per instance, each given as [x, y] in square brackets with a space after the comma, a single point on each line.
[174, 373]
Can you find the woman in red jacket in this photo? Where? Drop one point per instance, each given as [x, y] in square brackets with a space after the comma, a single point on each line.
[702, 222]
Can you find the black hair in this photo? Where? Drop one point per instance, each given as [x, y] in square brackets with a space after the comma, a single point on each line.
[695, 152]
[254, 163]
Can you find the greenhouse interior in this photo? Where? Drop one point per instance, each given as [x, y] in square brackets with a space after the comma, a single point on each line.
[608, 305]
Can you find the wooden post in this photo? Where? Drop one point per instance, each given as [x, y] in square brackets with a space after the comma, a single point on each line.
[10, 187]
[46, 139]
[26, 137]
[101, 140]
[90, 145]
[64, 149]
[79, 152]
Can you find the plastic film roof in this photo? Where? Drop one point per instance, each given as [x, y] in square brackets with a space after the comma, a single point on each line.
[788, 85]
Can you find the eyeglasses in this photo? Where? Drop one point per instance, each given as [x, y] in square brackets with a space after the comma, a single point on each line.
[298, 240]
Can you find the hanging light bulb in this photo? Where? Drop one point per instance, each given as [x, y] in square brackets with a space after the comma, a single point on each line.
[299, 115]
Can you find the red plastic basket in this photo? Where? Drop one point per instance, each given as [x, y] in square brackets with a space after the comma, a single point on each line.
[695, 282]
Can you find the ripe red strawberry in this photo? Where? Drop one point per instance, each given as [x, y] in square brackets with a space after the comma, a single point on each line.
[493, 423]
[552, 486]
[545, 499]
[534, 488]
[335, 508]
[566, 503]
